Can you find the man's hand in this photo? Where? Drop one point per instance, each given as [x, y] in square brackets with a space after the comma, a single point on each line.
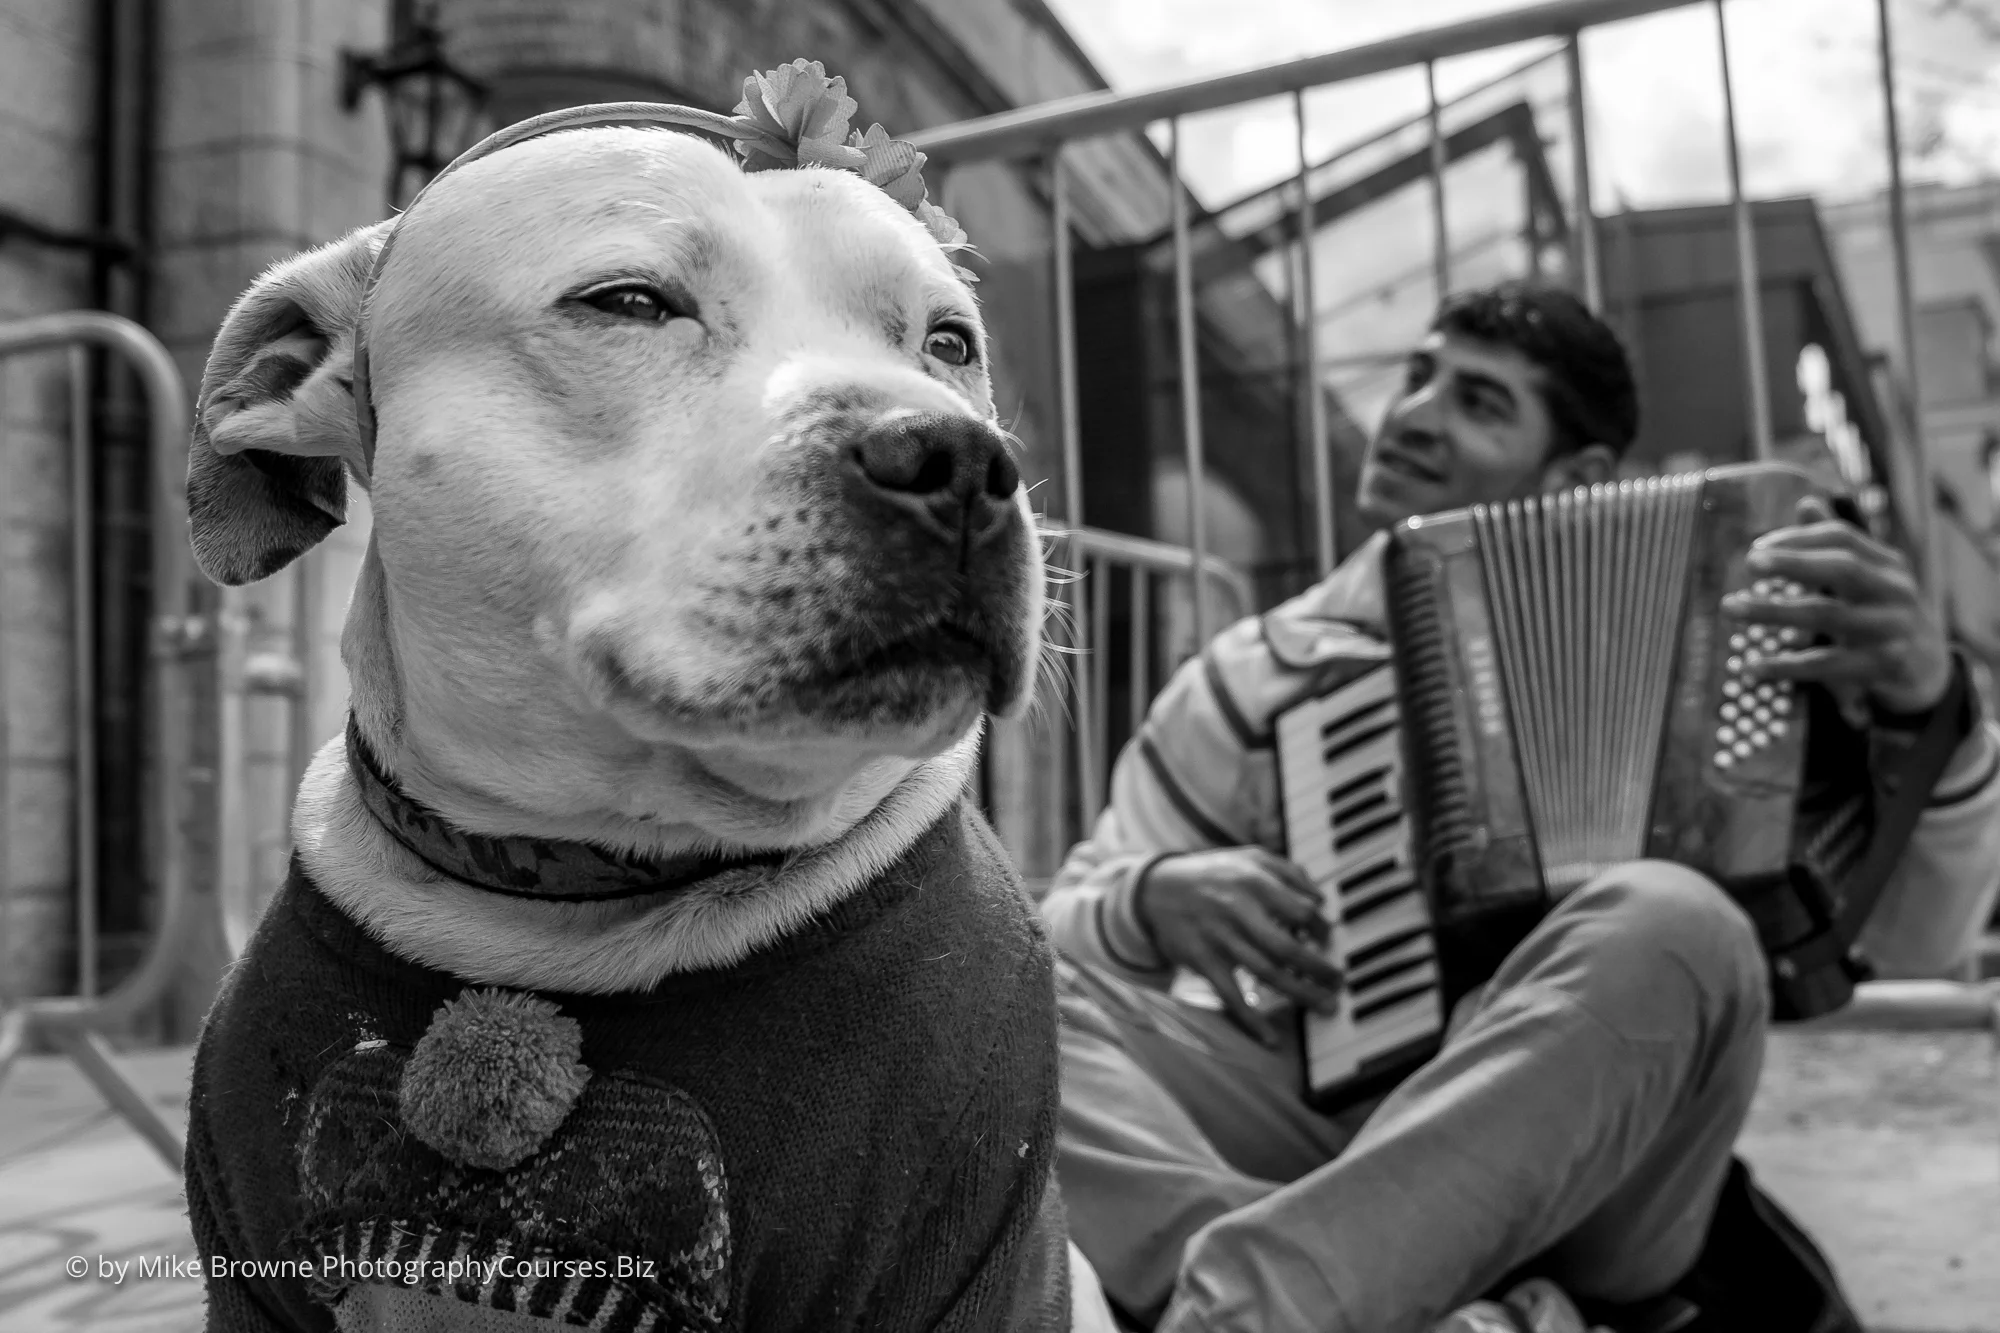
[1215, 911]
[1884, 640]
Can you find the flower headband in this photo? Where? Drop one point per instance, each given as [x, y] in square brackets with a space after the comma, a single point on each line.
[792, 116]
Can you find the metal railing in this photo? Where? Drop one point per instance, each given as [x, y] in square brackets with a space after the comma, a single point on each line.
[75, 1023]
[1149, 573]
[1042, 133]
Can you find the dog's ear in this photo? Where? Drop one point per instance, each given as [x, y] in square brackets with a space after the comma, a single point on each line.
[274, 424]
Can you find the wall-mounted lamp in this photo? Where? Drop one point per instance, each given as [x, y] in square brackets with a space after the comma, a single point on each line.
[435, 109]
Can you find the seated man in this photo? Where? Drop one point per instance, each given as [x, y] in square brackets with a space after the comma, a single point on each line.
[1582, 1112]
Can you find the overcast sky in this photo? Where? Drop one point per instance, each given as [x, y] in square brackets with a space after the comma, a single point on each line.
[1809, 111]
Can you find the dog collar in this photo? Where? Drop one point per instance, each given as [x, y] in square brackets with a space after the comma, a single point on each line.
[542, 868]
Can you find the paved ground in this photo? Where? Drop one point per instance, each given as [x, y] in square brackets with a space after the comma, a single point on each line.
[1888, 1146]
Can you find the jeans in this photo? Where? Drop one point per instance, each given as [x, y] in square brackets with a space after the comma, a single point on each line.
[1581, 1115]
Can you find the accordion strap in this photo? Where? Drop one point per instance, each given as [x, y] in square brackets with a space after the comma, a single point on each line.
[1903, 787]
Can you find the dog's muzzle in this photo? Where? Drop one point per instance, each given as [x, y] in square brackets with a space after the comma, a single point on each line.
[949, 474]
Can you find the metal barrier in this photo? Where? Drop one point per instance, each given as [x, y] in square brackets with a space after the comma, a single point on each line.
[1041, 134]
[1095, 556]
[75, 1023]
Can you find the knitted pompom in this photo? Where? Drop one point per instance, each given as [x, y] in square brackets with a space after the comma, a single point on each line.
[492, 1077]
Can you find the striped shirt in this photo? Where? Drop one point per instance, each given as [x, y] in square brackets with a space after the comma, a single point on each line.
[1202, 773]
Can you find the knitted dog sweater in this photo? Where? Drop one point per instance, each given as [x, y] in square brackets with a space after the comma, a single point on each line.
[852, 1129]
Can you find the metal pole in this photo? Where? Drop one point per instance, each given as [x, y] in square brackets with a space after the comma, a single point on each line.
[1184, 307]
[1090, 789]
[1583, 234]
[1748, 285]
[1440, 233]
[12, 1030]
[300, 738]
[1032, 130]
[168, 415]
[1309, 317]
[83, 612]
[1929, 567]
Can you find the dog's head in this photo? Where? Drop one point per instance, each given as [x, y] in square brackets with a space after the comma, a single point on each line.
[687, 489]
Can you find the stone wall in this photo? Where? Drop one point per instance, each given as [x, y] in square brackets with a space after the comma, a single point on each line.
[46, 89]
[257, 160]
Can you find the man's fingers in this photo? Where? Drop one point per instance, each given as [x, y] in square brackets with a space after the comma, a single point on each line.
[1285, 891]
[1815, 614]
[1819, 526]
[1289, 875]
[1829, 664]
[1220, 973]
[1840, 570]
[1298, 970]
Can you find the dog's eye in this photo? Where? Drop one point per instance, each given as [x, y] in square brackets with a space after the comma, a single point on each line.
[949, 346]
[641, 303]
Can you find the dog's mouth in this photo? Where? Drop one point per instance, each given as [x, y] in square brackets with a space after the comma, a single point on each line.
[942, 644]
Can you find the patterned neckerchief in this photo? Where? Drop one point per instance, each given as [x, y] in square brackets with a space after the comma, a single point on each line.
[544, 868]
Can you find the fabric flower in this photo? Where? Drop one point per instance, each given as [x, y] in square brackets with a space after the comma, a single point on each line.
[796, 116]
[801, 117]
[891, 164]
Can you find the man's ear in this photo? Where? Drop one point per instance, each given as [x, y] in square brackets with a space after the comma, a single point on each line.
[274, 424]
[1580, 467]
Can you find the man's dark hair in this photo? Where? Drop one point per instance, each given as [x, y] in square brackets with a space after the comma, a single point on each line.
[1590, 393]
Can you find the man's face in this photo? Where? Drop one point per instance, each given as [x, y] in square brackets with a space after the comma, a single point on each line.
[1471, 427]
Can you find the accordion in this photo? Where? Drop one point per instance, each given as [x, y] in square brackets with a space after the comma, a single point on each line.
[1566, 695]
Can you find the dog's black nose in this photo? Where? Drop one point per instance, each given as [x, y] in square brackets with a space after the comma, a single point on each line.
[954, 468]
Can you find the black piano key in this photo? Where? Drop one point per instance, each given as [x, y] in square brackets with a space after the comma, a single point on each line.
[1354, 809]
[1376, 1004]
[1382, 974]
[1359, 908]
[1372, 778]
[1362, 881]
[1345, 838]
[1367, 714]
[1354, 742]
[1361, 958]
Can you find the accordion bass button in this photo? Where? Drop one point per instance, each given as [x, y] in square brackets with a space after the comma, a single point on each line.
[1723, 759]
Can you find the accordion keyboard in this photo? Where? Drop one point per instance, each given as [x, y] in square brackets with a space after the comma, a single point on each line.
[1340, 764]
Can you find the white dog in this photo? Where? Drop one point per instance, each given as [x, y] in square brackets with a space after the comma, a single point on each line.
[642, 964]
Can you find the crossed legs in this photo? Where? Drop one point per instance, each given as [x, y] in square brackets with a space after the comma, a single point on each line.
[1582, 1116]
